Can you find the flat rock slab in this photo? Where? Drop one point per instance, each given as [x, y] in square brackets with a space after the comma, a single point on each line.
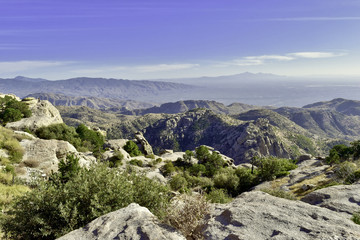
[257, 215]
[343, 199]
[133, 222]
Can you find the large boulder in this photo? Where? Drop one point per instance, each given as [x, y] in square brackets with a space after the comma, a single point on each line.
[43, 114]
[257, 215]
[43, 156]
[343, 199]
[132, 222]
[145, 146]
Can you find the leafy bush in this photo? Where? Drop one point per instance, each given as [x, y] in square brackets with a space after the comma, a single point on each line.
[247, 179]
[116, 160]
[271, 167]
[59, 131]
[12, 110]
[187, 214]
[68, 169]
[228, 180]
[132, 149]
[353, 177]
[136, 162]
[197, 169]
[218, 196]
[356, 218]
[202, 153]
[178, 183]
[187, 156]
[55, 208]
[168, 169]
[345, 169]
[93, 139]
[82, 138]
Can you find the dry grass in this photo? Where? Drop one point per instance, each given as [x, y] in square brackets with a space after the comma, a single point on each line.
[187, 214]
[8, 193]
[319, 180]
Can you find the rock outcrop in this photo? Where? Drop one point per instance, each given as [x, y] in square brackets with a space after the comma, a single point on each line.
[132, 222]
[257, 215]
[43, 114]
[145, 146]
[344, 199]
[43, 156]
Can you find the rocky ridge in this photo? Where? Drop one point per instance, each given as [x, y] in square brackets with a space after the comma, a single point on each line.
[43, 114]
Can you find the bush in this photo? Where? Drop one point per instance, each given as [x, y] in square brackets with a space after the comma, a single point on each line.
[116, 160]
[213, 164]
[67, 169]
[271, 167]
[93, 140]
[82, 138]
[12, 110]
[356, 218]
[345, 170]
[197, 169]
[247, 179]
[228, 180]
[218, 196]
[202, 153]
[55, 208]
[136, 162]
[353, 177]
[132, 149]
[187, 214]
[178, 183]
[167, 169]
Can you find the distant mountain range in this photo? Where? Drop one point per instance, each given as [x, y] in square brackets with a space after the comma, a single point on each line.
[149, 91]
[259, 89]
[92, 102]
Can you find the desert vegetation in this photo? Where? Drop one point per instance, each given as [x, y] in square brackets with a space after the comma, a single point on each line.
[83, 138]
[12, 110]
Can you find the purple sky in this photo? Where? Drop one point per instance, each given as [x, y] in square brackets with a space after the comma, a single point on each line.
[149, 39]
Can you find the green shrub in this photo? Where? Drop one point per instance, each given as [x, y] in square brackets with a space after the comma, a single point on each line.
[136, 162]
[167, 169]
[152, 156]
[353, 177]
[178, 183]
[54, 209]
[213, 164]
[197, 169]
[155, 162]
[202, 182]
[247, 179]
[271, 167]
[93, 140]
[187, 156]
[12, 110]
[132, 149]
[67, 169]
[356, 218]
[228, 180]
[202, 153]
[345, 169]
[218, 196]
[116, 159]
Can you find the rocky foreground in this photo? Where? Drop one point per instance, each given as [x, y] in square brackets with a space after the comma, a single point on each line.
[251, 216]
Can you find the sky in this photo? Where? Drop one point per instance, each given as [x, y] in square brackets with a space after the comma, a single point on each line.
[157, 39]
